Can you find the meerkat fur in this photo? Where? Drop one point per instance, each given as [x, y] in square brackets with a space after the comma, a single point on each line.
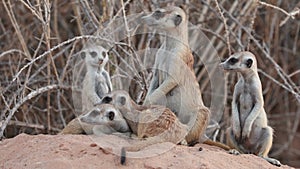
[174, 83]
[101, 119]
[155, 123]
[249, 132]
[97, 81]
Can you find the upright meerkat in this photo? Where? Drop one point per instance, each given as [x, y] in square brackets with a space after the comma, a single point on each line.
[97, 81]
[155, 123]
[249, 132]
[174, 82]
[101, 119]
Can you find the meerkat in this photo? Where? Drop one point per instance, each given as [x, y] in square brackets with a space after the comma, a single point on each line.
[249, 132]
[106, 119]
[101, 119]
[156, 123]
[97, 81]
[174, 82]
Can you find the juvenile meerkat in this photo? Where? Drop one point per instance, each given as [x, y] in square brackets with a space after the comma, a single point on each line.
[249, 132]
[155, 123]
[174, 82]
[97, 81]
[106, 119]
[101, 119]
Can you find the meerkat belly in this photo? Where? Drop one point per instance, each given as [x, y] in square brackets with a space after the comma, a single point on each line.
[245, 106]
[181, 102]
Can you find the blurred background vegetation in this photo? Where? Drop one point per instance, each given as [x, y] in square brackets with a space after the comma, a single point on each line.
[39, 42]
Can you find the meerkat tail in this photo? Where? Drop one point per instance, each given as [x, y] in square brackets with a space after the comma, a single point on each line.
[217, 144]
[123, 156]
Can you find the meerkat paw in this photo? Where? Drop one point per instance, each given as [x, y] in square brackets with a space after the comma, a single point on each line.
[273, 161]
[183, 142]
[234, 152]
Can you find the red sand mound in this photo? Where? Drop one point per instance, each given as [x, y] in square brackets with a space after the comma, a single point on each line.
[81, 151]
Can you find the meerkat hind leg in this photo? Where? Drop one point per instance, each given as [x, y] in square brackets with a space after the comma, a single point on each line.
[265, 144]
[231, 142]
[200, 121]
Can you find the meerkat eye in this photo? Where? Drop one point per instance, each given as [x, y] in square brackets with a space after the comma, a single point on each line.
[111, 115]
[233, 61]
[104, 54]
[93, 54]
[177, 20]
[249, 63]
[106, 99]
[158, 14]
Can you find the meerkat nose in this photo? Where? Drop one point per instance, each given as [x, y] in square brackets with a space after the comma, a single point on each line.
[100, 61]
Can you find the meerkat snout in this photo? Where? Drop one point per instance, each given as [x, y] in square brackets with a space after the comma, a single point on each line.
[167, 18]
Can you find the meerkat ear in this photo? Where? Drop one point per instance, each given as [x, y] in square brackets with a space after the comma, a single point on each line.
[177, 20]
[106, 99]
[111, 115]
[82, 55]
[122, 100]
[249, 63]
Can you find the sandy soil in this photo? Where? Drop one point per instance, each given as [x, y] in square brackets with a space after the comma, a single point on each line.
[81, 151]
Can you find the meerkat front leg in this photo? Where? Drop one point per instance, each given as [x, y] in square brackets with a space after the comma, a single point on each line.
[107, 79]
[161, 91]
[153, 84]
[236, 124]
[251, 117]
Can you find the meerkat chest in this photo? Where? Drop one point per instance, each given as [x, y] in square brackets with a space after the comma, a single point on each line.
[245, 102]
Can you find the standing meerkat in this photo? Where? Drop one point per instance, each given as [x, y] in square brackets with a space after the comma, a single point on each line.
[97, 81]
[249, 132]
[174, 82]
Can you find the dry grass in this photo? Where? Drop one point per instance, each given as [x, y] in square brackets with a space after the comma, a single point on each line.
[40, 41]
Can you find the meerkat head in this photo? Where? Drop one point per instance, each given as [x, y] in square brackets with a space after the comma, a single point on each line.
[118, 98]
[95, 56]
[104, 114]
[240, 62]
[166, 18]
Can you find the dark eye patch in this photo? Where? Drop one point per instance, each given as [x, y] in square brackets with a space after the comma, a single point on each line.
[111, 115]
[158, 14]
[106, 99]
[233, 61]
[93, 54]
